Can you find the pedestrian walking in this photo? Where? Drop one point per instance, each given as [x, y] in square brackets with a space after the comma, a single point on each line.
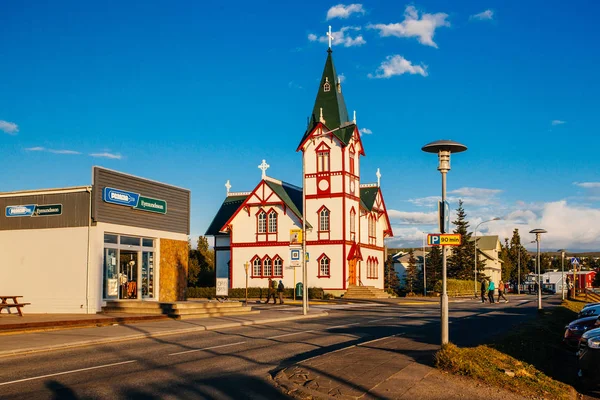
[501, 288]
[271, 291]
[280, 289]
[483, 290]
[491, 289]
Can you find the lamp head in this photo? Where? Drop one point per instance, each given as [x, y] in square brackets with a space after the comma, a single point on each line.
[538, 231]
[444, 148]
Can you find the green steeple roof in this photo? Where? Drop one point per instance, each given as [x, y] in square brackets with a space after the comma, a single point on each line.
[332, 100]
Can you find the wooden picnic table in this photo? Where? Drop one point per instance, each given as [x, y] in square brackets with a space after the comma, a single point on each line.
[5, 304]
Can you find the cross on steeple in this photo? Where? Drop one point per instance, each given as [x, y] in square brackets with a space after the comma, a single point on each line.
[263, 167]
[378, 174]
[330, 36]
[228, 186]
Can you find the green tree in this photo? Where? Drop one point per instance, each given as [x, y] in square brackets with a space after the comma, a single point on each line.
[410, 277]
[507, 264]
[390, 276]
[519, 257]
[434, 267]
[201, 266]
[462, 260]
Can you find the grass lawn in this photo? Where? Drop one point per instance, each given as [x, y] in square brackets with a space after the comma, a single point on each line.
[529, 361]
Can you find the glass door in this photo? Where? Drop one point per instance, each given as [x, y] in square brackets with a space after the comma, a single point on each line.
[128, 274]
[148, 274]
[111, 281]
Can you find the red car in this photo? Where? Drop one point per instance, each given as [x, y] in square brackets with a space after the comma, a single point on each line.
[575, 329]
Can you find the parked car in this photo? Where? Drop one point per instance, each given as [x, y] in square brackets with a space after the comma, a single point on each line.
[589, 311]
[590, 305]
[575, 329]
[589, 357]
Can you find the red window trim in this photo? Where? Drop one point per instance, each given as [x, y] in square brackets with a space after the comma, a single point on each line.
[262, 266]
[262, 270]
[323, 149]
[272, 211]
[256, 257]
[258, 213]
[352, 223]
[319, 266]
[326, 233]
[277, 256]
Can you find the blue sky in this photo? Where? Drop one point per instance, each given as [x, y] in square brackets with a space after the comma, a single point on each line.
[195, 93]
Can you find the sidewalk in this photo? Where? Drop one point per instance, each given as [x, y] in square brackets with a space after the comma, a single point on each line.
[389, 368]
[15, 343]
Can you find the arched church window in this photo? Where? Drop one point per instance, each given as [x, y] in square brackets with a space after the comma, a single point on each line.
[278, 267]
[272, 221]
[267, 267]
[256, 266]
[324, 220]
[262, 222]
[324, 266]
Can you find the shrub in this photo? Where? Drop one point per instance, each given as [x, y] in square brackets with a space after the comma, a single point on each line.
[456, 287]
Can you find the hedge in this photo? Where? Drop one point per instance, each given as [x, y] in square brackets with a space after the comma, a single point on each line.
[253, 292]
[456, 287]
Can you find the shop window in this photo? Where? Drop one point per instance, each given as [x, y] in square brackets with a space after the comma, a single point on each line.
[278, 267]
[110, 238]
[130, 240]
[324, 267]
[147, 242]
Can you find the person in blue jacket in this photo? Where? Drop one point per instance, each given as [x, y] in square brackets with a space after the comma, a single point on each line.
[491, 289]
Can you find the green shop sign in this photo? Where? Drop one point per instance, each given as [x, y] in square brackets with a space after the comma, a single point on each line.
[152, 205]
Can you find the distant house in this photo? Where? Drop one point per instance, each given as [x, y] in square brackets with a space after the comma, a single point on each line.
[400, 262]
[488, 250]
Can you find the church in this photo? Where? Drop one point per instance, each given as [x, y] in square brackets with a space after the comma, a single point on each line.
[260, 231]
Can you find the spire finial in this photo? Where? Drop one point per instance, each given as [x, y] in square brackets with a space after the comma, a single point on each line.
[354, 119]
[321, 119]
[228, 186]
[263, 167]
[378, 174]
[330, 36]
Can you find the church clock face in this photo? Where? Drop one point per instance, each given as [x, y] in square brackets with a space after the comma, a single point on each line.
[323, 184]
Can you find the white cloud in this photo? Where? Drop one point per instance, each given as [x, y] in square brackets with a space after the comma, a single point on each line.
[403, 217]
[39, 148]
[423, 28]
[341, 37]
[558, 122]
[365, 131]
[475, 192]
[342, 11]
[588, 185]
[107, 155]
[398, 65]
[9, 127]
[483, 16]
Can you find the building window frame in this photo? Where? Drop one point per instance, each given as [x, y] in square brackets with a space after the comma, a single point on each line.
[272, 221]
[323, 153]
[267, 267]
[277, 266]
[324, 218]
[352, 224]
[261, 222]
[256, 267]
[324, 263]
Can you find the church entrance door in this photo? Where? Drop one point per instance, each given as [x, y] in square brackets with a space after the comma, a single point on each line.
[352, 272]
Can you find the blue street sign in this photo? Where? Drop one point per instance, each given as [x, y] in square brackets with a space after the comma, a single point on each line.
[574, 260]
[120, 197]
[295, 255]
[20, 211]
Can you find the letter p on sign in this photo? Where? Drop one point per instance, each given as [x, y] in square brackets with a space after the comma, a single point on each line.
[433, 240]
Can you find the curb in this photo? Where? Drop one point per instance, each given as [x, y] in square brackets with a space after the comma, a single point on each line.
[9, 353]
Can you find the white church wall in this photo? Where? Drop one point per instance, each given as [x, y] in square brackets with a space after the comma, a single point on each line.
[334, 205]
[336, 266]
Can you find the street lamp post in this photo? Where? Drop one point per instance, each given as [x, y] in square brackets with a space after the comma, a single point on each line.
[519, 270]
[562, 281]
[424, 268]
[475, 270]
[444, 148]
[246, 266]
[538, 238]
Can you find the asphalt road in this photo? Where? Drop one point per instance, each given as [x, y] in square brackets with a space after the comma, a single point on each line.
[237, 363]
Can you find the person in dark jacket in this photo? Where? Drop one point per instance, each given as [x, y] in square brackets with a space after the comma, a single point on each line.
[271, 291]
[483, 290]
[280, 289]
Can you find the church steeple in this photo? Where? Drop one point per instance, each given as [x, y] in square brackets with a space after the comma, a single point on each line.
[330, 100]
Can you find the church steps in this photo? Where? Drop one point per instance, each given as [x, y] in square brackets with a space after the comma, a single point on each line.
[365, 292]
[178, 310]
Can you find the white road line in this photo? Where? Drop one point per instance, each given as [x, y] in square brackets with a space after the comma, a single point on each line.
[67, 372]
[381, 319]
[206, 348]
[290, 334]
[342, 326]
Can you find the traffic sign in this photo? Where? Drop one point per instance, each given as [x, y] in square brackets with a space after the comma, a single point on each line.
[295, 254]
[574, 260]
[440, 239]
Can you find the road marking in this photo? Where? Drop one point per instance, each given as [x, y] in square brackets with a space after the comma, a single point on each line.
[381, 319]
[342, 326]
[67, 372]
[290, 334]
[207, 348]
